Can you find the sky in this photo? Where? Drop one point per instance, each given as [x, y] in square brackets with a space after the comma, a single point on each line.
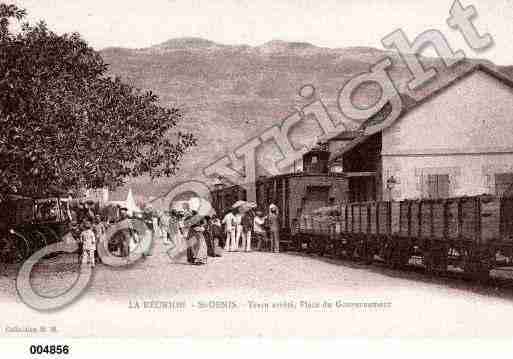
[329, 23]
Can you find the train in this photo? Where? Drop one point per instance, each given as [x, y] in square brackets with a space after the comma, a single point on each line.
[469, 234]
[472, 235]
[320, 214]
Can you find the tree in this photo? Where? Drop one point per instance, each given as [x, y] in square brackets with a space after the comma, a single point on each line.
[66, 123]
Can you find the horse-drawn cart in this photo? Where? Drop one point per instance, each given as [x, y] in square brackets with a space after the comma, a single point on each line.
[28, 224]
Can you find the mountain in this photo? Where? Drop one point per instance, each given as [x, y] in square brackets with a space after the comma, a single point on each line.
[230, 93]
[187, 43]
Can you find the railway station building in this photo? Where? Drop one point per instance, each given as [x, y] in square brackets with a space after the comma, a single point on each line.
[454, 141]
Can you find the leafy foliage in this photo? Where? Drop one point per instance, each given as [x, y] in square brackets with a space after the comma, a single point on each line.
[65, 123]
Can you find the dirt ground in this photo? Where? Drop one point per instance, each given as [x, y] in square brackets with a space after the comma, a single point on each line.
[257, 293]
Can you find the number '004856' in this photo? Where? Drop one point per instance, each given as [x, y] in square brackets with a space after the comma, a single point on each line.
[49, 349]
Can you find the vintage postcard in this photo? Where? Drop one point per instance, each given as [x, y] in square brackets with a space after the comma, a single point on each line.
[270, 169]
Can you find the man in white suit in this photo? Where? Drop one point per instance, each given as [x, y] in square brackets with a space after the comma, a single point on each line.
[229, 227]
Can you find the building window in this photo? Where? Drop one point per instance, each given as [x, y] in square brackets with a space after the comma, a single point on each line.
[314, 159]
[504, 184]
[438, 186]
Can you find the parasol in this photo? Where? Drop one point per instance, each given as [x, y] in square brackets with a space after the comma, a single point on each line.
[251, 205]
[244, 206]
[238, 204]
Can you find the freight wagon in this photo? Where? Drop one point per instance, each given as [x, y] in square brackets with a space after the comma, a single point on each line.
[468, 234]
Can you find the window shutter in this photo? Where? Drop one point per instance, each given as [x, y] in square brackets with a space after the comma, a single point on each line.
[438, 186]
[443, 186]
[503, 184]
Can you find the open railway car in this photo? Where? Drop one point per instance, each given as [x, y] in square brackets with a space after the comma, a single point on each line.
[472, 234]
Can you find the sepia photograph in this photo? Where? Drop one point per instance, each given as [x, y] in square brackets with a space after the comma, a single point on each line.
[255, 169]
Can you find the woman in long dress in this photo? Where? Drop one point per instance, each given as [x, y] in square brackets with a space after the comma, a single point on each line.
[208, 237]
[196, 244]
[175, 232]
[217, 235]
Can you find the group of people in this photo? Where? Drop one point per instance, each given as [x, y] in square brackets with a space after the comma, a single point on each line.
[210, 236]
[203, 237]
[89, 231]
[240, 227]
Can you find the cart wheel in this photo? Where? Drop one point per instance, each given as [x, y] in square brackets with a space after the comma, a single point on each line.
[20, 247]
[6, 251]
[50, 235]
[39, 240]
